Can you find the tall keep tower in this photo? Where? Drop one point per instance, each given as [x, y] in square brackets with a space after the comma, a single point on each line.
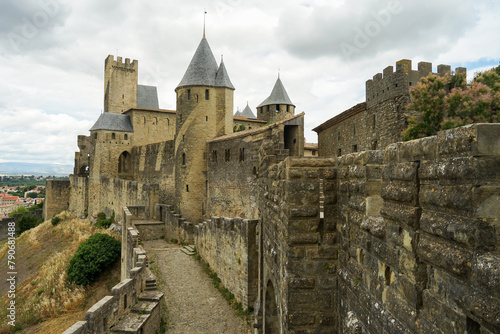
[120, 84]
[277, 106]
[204, 111]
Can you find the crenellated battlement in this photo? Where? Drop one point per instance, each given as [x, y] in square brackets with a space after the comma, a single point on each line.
[118, 63]
[390, 83]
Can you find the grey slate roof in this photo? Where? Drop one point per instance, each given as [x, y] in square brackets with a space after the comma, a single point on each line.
[247, 112]
[203, 69]
[238, 113]
[147, 97]
[222, 78]
[113, 122]
[278, 95]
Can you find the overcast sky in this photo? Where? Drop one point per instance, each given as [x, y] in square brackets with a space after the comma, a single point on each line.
[52, 55]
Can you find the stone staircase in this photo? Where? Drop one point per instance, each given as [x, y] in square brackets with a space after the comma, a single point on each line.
[188, 250]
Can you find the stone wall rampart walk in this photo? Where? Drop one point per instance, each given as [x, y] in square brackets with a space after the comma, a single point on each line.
[194, 305]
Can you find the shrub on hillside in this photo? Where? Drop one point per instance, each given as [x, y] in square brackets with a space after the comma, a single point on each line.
[92, 257]
[26, 222]
[55, 220]
[102, 222]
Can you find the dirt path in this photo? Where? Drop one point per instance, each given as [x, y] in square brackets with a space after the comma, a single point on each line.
[194, 305]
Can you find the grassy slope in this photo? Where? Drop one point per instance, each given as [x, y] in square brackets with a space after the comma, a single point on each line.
[44, 298]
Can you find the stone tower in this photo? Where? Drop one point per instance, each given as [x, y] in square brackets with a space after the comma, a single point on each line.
[277, 106]
[204, 111]
[120, 84]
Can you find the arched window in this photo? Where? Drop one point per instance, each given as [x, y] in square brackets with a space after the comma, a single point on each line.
[155, 120]
[113, 136]
[184, 159]
[207, 94]
[168, 121]
[271, 320]
[125, 136]
[125, 164]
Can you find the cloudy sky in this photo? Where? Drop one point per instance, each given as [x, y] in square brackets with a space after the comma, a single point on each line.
[52, 55]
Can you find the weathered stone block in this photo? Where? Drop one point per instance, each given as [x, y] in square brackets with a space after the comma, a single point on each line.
[486, 270]
[301, 319]
[401, 214]
[400, 191]
[401, 172]
[443, 253]
[374, 225]
[477, 233]
[302, 282]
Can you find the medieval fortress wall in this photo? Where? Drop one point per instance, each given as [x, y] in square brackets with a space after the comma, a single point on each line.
[373, 236]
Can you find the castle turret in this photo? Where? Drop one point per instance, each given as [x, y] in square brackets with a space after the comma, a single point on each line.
[277, 106]
[120, 84]
[204, 111]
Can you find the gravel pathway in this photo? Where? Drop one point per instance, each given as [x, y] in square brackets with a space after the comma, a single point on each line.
[194, 305]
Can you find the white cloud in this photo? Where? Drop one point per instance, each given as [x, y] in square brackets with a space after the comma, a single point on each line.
[31, 135]
[54, 86]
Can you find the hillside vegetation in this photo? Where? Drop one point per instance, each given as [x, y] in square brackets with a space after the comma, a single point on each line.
[44, 296]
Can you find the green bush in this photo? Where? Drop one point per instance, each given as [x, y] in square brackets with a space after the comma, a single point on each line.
[101, 216]
[55, 220]
[102, 222]
[27, 222]
[92, 257]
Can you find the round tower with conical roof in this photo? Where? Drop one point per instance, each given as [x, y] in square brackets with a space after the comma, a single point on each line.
[204, 111]
[277, 106]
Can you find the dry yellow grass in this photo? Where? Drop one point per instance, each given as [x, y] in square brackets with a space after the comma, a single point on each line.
[44, 292]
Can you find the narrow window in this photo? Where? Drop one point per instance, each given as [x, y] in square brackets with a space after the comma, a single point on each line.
[242, 154]
[187, 188]
[354, 129]
[277, 108]
[125, 137]
[355, 148]
[206, 118]
[189, 94]
[409, 83]
[143, 119]
[168, 121]
[287, 108]
[374, 145]
[214, 155]
[113, 136]
[180, 118]
[184, 159]
[387, 276]
[95, 135]
[207, 94]
[339, 152]
[227, 155]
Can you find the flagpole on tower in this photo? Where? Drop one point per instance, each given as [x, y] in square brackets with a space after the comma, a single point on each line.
[204, 19]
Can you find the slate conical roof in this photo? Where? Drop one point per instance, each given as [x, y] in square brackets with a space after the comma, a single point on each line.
[238, 113]
[278, 96]
[203, 69]
[222, 78]
[247, 112]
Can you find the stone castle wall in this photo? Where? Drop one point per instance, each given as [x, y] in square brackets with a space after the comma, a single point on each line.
[57, 197]
[426, 260]
[229, 247]
[232, 178]
[298, 243]
[152, 126]
[129, 308]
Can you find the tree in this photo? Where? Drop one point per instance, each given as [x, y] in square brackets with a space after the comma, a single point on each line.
[447, 102]
[32, 195]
